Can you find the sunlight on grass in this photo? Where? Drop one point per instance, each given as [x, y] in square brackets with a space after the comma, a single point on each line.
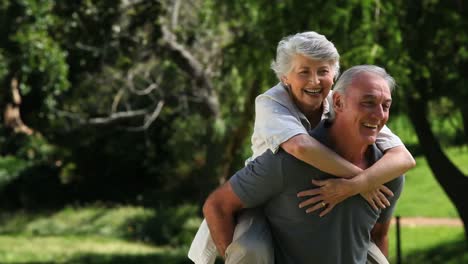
[18, 249]
[422, 195]
[459, 156]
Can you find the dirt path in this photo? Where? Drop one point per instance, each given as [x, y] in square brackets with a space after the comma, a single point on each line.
[426, 221]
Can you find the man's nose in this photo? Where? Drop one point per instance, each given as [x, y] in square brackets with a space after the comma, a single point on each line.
[379, 112]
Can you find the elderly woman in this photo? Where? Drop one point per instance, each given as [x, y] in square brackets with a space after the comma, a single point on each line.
[306, 65]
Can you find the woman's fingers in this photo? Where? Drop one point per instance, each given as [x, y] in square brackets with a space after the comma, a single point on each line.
[310, 201]
[315, 207]
[386, 190]
[383, 199]
[310, 192]
[378, 201]
[319, 182]
[372, 204]
[327, 210]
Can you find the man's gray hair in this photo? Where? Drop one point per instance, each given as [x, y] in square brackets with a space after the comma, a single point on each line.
[310, 44]
[348, 76]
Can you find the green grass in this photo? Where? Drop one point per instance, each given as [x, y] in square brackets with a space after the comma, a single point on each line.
[429, 245]
[459, 156]
[84, 249]
[98, 234]
[422, 194]
[93, 220]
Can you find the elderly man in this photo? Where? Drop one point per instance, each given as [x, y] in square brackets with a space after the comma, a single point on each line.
[361, 103]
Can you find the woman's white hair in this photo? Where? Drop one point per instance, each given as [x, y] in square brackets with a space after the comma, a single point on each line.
[310, 44]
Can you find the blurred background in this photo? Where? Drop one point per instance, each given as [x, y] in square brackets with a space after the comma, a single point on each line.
[120, 117]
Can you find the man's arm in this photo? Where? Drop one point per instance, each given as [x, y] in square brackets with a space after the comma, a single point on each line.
[379, 235]
[219, 210]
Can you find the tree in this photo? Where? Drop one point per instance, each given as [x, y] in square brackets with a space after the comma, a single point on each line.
[426, 45]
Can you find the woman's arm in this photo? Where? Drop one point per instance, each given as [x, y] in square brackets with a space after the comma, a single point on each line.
[309, 150]
[368, 183]
[395, 162]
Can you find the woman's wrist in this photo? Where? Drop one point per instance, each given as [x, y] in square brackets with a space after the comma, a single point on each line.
[359, 184]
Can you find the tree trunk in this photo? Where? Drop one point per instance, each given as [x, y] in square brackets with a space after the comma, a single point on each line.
[452, 180]
[240, 133]
[12, 115]
[464, 114]
[221, 152]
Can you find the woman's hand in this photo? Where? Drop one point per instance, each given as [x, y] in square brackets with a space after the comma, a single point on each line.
[333, 191]
[377, 198]
[328, 194]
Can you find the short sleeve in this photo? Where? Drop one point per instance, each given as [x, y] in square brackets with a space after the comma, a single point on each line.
[259, 181]
[275, 123]
[397, 187]
[387, 140]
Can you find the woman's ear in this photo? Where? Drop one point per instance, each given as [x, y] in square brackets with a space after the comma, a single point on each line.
[284, 80]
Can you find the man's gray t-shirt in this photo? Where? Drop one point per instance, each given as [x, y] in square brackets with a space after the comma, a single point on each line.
[342, 236]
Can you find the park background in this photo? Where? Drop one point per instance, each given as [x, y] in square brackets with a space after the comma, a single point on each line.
[119, 117]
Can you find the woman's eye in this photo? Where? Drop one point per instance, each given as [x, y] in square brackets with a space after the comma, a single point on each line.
[323, 72]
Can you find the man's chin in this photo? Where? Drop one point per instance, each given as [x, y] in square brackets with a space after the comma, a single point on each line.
[370, 140]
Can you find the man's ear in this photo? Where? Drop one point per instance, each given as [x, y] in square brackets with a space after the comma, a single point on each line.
[338, 101]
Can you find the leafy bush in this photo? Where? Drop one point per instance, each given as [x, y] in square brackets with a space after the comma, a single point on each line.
[10, 168]
[175, 226]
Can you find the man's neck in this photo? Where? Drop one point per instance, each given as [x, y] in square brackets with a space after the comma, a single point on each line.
[351, 150]
[313, 115]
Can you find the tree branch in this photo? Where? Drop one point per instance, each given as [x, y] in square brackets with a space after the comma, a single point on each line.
[188, 63]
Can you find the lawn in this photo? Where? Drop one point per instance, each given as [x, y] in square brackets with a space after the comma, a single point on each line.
[422, 194]
[435, 245]
[84, 249]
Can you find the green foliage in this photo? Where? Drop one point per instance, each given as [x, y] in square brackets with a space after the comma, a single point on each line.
[10, 168]
[33, 55]
[3, 65]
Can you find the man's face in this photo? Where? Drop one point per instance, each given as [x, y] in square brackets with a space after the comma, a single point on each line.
[366, 107]
[310, 82]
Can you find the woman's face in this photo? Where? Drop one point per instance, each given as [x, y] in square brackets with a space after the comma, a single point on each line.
[310, 82]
